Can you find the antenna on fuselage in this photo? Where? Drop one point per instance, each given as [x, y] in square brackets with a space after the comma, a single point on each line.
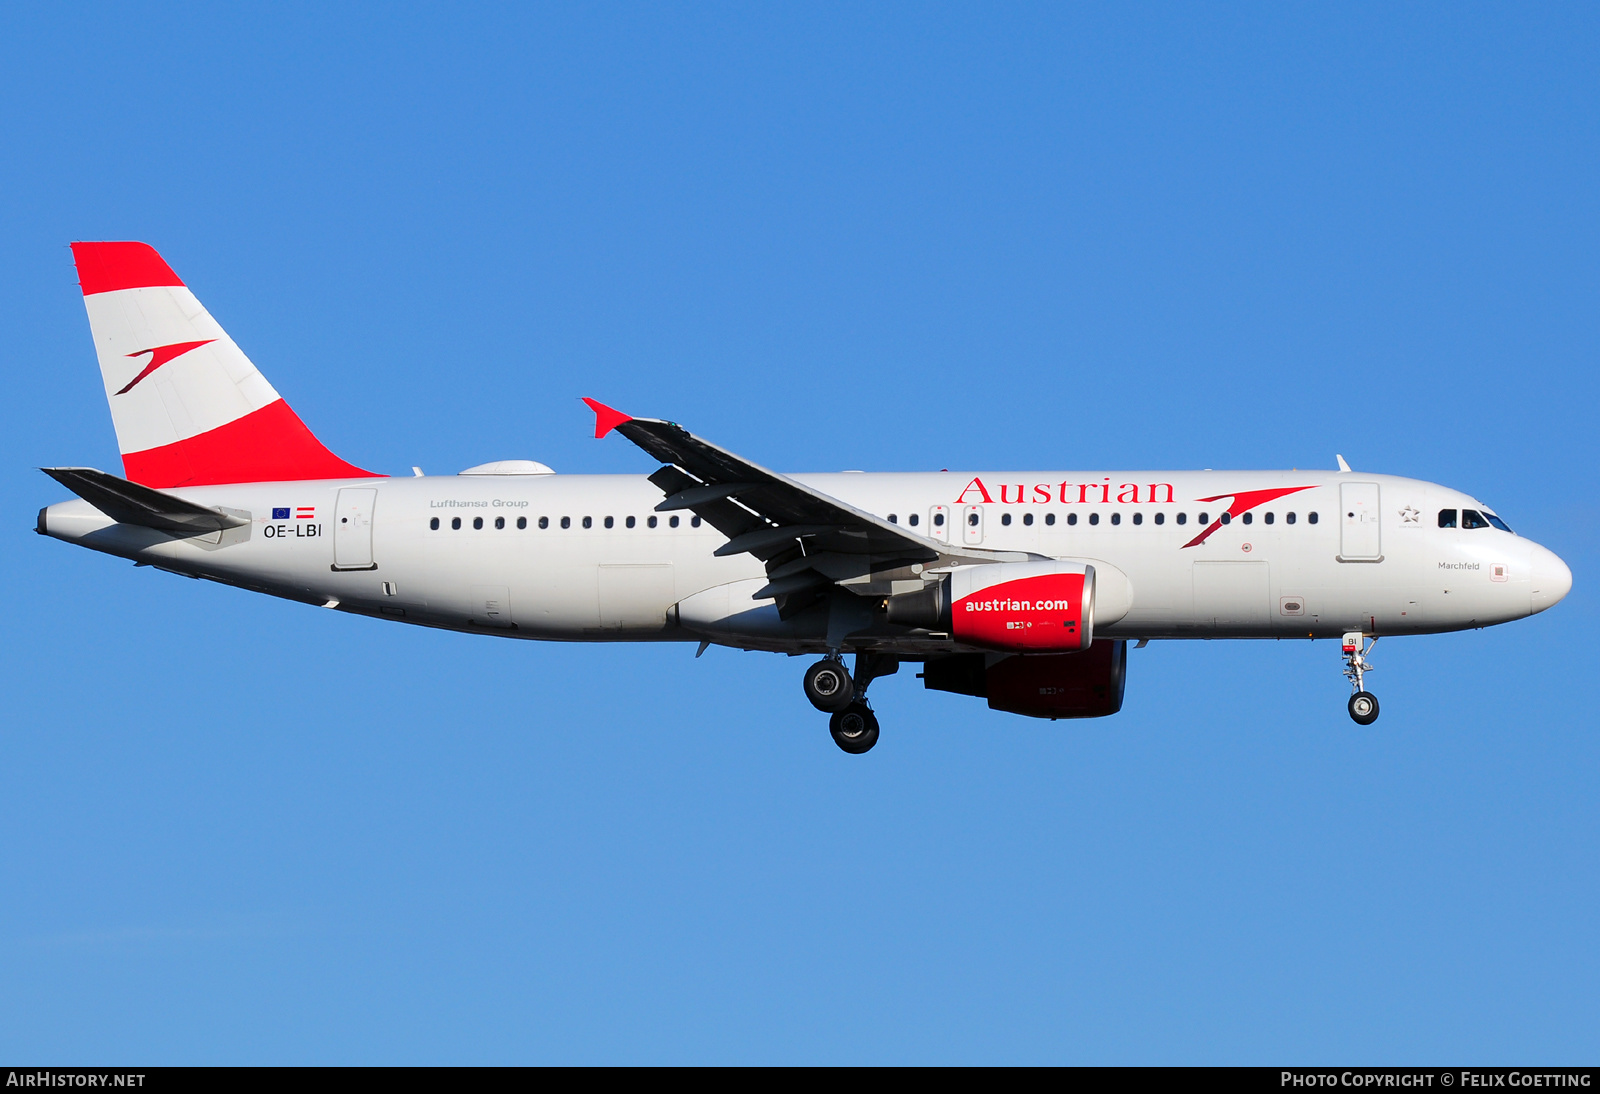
[1342, 465]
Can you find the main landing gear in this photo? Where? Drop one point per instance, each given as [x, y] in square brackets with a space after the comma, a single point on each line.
[1363, 704]
[834, 691]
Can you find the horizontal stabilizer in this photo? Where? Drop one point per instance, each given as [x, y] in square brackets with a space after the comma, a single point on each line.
[129, 503]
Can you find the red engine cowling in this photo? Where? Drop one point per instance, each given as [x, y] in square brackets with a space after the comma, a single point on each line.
[1088, 684]
[1027, 606]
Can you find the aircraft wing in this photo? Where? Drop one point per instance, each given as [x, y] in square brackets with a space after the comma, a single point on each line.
[807, 539]
[129, 503]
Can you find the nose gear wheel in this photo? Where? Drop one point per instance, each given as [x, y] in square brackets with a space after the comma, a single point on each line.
[1364, 708]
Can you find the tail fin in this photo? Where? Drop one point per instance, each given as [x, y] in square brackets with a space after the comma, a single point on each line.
[189, 407]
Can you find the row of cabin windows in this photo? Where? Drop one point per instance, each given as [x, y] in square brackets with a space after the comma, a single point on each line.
[1471, 518]
[1116, 518]
[566, 522]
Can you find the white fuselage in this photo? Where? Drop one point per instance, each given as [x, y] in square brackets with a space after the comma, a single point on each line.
[586, 564]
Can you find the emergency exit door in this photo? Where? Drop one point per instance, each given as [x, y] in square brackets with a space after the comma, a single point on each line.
[972, 525]
[352, 529]
[1360, 538]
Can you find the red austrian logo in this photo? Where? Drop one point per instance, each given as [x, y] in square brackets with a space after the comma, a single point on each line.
[1243, 502]
[160, 355]
[1127, 493]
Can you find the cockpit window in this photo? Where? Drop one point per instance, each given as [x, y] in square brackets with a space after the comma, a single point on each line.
[1496, 521]
[1471, 518]
[1447, 518]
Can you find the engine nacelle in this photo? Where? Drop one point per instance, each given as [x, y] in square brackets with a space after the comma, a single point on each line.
[1088, 684]
[1036, 607]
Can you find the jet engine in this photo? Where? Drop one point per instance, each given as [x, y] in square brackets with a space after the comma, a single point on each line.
[1087, 684]
[1039, 607]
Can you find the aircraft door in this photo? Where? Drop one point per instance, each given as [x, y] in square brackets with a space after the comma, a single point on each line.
[939, 523]
[972, 525]
[1359, 531]
[352, 529]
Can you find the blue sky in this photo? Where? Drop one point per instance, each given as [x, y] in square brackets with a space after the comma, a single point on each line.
[897, 237]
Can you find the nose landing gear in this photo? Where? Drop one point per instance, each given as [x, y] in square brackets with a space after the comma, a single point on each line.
[834, 691]
[1363, 704]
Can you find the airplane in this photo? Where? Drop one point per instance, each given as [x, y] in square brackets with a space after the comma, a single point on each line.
[1020, 588]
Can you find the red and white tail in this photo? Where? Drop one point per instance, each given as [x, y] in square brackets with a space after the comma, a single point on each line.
[189, 407]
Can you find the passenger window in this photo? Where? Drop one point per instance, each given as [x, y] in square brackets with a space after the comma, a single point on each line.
[522, 522]
[611, 522]
[913, 520]
[1183, 518]
[672, 522]
[1247, 518]
[544, 522]
[1005, 518]
[1200, 519]
[1266, 518]
[972, 520]
[1027, 518]
[1049, 518]
[1094, 518]
[651, 521]
[938, 520]
[1311, 518]
[1471, 518]
[1497, 522]
[1138, 518]
[477, 522]
[1161, 518]
[694, 522]
[434, 524]
[1288, 518]
[1447, 518]
[500, 522]
[1072, 518]
[588, 522]
[629, 522]
[566, 522]
[1116, 518]
[1226, 518]
[455, 524]
[893, 519]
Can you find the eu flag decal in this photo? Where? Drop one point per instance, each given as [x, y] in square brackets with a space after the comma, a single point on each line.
[280, 514]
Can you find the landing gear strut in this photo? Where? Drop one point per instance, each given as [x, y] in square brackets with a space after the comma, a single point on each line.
[832, 690]
[1363, 704]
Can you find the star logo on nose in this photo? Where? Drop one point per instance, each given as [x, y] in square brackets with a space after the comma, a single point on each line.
[1409, 515]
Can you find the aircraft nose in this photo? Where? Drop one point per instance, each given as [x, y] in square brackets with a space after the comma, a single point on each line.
[1551, 579]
